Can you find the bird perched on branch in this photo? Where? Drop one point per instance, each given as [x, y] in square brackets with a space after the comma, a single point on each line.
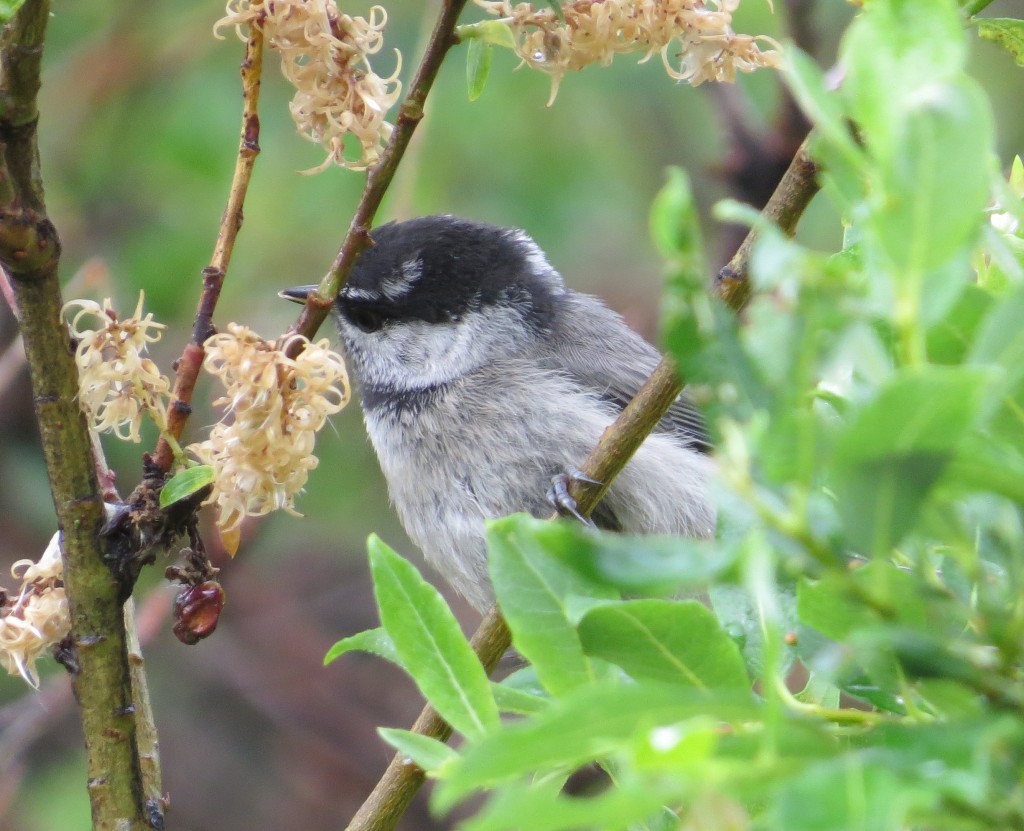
[485, 382]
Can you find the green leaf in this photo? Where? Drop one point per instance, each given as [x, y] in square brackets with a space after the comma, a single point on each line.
[659, 565]
[935, 179]
[677, 642]
[1006, 32]
[519, 702]
[430, 643]
[429, 754]
[531, 586]
[897, 447]
[494, 32]
[844, 793]
[675, 228]
[585, 725]
[9, 8]
[950, 340]
[985, 466]
[893, 51]
[184, 483]
[543, 808]
[478, 66]
[741, 620]
[819, 691]
[825, 109]
[375, 641]
[1001, 344]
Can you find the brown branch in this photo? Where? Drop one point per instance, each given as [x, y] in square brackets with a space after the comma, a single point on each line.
[30, 253]
[401, 780]
[380, 175]
[191, 361]
[797, 188]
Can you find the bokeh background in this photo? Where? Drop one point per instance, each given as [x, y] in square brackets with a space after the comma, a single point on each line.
[140, 115]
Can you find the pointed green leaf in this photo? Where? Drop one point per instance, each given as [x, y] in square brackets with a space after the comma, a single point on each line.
[935, 179]
[430, 643]
[429, 754]
[650, 564]
[673, 641]
[374, 641]
[675, 228]
[184, 483]
[898, 445]
[585, 725]
[531, 586]
[519, 702]
[478, 66]
[541, 807]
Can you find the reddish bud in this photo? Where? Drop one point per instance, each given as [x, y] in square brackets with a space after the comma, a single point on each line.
[197, 610]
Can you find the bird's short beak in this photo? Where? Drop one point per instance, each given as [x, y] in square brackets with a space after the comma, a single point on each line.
[298, 294]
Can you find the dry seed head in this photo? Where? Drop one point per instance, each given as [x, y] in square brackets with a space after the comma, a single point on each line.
[594, 31]
[262, 456]
[325, 56]
[38, 617]
[116, 384]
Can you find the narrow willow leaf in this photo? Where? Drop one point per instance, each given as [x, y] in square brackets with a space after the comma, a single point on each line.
[674, 641]
[675, 228]
[375, 641]
[531, 586]
[898, 446]
[585, 725]
[430, 643]
[543, 808]
[429, 754]
[478, 66]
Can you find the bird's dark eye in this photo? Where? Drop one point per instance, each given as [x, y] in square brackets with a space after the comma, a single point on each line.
[366, 319]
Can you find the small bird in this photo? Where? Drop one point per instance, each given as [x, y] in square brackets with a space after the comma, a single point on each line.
[483, 380]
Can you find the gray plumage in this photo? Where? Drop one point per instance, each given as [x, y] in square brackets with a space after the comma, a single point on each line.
[482, 377]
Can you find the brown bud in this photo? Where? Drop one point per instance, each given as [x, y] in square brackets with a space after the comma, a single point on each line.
[197, 610]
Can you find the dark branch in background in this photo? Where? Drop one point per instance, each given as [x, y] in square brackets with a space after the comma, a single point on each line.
[96, 651]
[380, 175]
[784, 209]
[396, 788]
[191, 361]
[758, 155]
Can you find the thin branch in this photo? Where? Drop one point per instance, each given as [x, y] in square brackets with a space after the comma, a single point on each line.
[30, 252]
[400, 782]
[380, 175]
[394, 791]
[797, 188]
[191, 361]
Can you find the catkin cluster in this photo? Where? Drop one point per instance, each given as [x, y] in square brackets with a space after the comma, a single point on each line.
[325, 55]
[694, 35]
[116, 383]
[37, 617]
[262, 456]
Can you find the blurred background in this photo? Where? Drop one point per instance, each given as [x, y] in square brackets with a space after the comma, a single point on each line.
[140, 116]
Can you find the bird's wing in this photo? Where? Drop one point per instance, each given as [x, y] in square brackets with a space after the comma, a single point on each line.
[595, 346]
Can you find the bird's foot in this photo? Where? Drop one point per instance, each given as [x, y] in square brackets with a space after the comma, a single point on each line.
[560, 498]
